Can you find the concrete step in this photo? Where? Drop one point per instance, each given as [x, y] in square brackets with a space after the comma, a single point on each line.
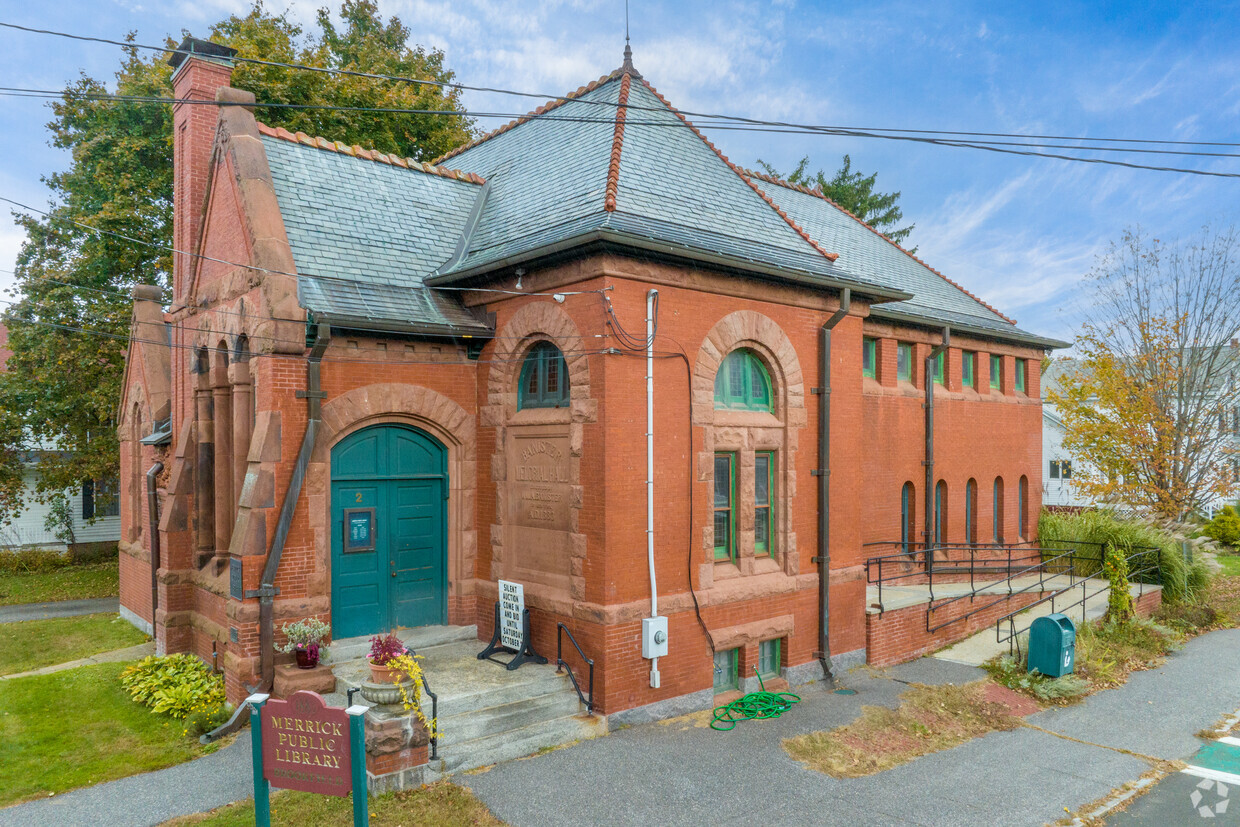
[493, 720]
[518, 743]
[418, 638]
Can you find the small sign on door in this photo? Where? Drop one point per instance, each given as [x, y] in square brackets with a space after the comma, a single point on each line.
[359, 530]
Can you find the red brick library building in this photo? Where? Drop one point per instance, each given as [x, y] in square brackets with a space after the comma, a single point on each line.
[457, 353]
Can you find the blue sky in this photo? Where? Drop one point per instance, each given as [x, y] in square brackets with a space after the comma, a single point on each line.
[1020, 232]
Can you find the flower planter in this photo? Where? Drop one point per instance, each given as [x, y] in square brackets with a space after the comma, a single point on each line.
[381, 674]
[306, 658]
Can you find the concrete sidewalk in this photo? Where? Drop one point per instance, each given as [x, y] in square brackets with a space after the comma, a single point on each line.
[59, 608]
[116, 655]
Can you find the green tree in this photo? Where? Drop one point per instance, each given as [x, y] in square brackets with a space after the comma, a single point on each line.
[854, 192]
[68, 329]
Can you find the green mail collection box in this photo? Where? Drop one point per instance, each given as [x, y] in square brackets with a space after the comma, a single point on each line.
[1052, 645]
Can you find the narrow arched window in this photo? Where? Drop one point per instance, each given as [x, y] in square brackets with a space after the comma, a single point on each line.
[998, 510]
[1022, 495]
[940, 513]
[743, 384]
[544, 378]
[970, 512]
[907, 518]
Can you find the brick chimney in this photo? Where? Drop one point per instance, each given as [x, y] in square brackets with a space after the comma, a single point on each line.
[195, 76]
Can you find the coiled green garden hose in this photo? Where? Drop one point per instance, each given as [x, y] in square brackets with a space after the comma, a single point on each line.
[761, 704]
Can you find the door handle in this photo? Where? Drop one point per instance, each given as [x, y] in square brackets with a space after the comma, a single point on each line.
[393, 564]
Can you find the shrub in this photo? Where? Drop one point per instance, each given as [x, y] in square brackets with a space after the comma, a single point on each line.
[1164, 565]
[31, 561]
[59, 519]
[1224, 528]
[1119, 601]
[385, 649]
[1013, 673]
[175, 684]
[202, 721]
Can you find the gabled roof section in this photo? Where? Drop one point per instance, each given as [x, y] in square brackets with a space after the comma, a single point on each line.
[365, 228]
[614, 161]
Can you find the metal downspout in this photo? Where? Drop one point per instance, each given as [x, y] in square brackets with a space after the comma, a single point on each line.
[266, 592]
[152, 520]
[824, 482]
[928, 533]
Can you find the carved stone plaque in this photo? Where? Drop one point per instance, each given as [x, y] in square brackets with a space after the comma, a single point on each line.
[540, 482]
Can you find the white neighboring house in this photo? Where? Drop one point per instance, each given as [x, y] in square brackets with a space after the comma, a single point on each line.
[28, 528]
[1058, 488]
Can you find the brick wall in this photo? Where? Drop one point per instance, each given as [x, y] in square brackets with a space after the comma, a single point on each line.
[900, 635]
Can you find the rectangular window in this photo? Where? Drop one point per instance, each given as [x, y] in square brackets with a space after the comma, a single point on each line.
[768, 658]
[968, 369]
[727, 664]
[904, 362]
[996, 372]
[1065, 469]
[100, 498]
[725, 518]
[1054, 469]
[940, 363]
[869, 357]
[1020, 375]
[763, 495]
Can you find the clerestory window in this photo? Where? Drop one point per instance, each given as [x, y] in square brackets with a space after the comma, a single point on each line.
[743, 384]
[544, 378]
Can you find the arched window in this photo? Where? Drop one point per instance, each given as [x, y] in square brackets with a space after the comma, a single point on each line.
[998, 510]
[544, 378]
[908, 528]
[970, 512]
[940, 513]
[743, 384]
[1022, 497]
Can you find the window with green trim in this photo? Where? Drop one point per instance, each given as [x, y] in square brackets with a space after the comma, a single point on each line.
[997, 512]
[743, 384]
[869, 357]
[996, 371]
[904, 362]
[1020, 375]
[940, 513]
[727, 665]
[940, 366]
[544, 378]
[968, 369]
[725, 506]
[768, 658]
[907, 527]
[763, 495]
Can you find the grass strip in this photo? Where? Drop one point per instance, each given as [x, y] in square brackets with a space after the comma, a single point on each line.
[78, 727]
[33, 644]
[443, 804]
[68, 583]
[929, 719]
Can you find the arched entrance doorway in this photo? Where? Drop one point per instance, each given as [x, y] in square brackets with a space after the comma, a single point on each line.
[389, 531]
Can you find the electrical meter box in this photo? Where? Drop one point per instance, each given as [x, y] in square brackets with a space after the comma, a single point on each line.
[1052, 645]
[654, 637]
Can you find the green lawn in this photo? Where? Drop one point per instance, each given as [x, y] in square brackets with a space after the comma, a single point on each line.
[32, 644]
[442, 804]
[78, 727]
[1230, 563]
[69, 583]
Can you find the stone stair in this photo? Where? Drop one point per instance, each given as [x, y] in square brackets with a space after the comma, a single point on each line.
[486, 713]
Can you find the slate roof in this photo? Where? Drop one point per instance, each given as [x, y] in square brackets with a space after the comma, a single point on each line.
[612, 162]
[365, 231]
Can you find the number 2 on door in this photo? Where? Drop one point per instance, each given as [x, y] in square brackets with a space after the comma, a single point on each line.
[357, 498]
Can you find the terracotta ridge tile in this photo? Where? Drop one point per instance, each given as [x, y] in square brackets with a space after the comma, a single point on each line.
[613, 169]
[818, 193]
[542, 110]
[787, 218]
[367, 154]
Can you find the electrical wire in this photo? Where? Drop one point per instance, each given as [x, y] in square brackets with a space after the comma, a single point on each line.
[909, 135]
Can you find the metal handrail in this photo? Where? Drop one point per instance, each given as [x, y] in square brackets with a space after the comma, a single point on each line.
[426, 687]
[561, 664]
[1012, 637]
[948, 566]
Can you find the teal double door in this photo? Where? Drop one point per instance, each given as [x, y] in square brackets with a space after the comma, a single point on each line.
[389, 531]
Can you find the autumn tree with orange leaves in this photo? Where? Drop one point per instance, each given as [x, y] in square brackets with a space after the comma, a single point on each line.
[1151, 404]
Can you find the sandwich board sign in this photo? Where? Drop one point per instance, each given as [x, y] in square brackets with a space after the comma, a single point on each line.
[512, 628]
[304, 744]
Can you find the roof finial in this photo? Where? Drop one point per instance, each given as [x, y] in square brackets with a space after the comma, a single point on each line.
[628, 51]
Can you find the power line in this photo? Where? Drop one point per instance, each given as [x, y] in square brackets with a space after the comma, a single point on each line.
[780, 126]
[767, 127]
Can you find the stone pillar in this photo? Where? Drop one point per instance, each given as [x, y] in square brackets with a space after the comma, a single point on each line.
[204, 465]
[242, 409]
[396, 749]
[221, 393]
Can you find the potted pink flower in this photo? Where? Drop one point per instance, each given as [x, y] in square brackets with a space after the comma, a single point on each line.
[383, 650]
[305, 641]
